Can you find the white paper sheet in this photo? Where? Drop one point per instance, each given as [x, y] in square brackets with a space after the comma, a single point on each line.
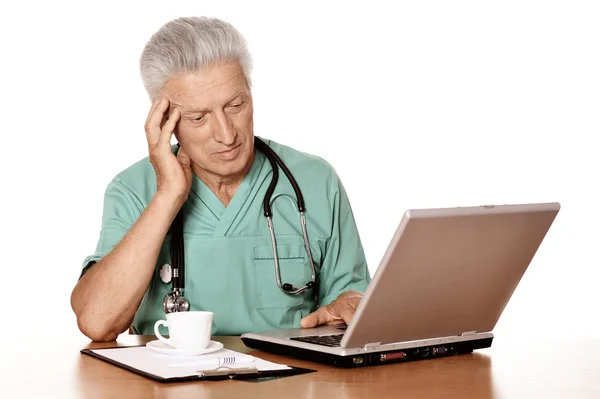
[146, 360]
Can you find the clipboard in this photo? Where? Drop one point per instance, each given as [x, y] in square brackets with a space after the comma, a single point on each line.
[249, 374]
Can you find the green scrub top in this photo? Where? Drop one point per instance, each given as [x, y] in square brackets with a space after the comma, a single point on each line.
[229, 266]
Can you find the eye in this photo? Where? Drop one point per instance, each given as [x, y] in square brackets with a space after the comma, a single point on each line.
[198, 118]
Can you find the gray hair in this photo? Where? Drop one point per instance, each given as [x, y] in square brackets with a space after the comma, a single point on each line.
[187, 45]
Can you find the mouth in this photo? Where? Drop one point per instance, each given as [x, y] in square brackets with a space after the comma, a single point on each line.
[229, 154]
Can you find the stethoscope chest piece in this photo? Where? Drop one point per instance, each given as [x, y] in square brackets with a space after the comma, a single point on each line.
[175, 302]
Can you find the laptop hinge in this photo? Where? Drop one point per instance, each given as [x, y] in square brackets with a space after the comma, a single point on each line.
[467, 333]
[372, 345]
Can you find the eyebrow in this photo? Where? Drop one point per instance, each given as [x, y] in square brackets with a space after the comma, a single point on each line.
[200, 110]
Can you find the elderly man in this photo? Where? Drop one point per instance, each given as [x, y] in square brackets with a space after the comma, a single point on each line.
[197, 74]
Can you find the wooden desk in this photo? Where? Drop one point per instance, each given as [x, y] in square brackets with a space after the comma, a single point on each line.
[54, 368]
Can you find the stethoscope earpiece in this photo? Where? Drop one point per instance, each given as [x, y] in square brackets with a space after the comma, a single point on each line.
[287, 287]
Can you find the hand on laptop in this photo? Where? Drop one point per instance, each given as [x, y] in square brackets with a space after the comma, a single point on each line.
[339, 311]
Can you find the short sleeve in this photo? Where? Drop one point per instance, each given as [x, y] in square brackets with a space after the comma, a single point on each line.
[344, 265]
[121, 210]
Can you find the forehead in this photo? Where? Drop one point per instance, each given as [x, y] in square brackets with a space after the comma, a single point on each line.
[210, 86]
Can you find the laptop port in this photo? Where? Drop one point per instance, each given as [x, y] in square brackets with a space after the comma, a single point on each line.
[440, 351]
[357, 359]
[392, 356]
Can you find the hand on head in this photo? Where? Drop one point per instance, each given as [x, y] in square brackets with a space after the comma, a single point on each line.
[173, 173]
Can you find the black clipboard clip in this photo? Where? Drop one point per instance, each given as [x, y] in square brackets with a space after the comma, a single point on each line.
[226, 371]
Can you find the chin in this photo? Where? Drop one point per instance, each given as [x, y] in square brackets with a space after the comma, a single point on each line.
[234, 166]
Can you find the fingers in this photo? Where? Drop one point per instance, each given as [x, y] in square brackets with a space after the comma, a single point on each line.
[316, 318]
[153, 121]
[155, 103]
[336, 311]
[346, 312]
[168, 128]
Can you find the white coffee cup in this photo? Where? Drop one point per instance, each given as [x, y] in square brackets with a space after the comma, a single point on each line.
[190, 331]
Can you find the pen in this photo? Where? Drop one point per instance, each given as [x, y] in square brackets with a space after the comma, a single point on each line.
[216, 361]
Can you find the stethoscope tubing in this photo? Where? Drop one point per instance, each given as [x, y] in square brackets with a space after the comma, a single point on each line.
[175, 301]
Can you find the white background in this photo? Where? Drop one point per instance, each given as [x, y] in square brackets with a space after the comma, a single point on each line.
[420, 104]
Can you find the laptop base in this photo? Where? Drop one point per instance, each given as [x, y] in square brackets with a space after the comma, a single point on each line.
[372, 358]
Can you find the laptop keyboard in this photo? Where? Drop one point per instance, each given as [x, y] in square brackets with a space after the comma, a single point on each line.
[326, 340]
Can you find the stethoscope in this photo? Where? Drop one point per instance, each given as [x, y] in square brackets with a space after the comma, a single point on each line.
[175, 301]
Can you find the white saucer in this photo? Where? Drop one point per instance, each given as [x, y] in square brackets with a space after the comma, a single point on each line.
[161, 347]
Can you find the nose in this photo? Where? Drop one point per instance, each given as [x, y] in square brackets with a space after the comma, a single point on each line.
[224, 130]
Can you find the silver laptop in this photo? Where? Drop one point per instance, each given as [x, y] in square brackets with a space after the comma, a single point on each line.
[439, 290]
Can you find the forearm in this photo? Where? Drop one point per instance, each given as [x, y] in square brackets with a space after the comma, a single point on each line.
[106, 298]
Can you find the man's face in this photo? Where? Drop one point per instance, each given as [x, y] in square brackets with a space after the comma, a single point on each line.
[216, 125]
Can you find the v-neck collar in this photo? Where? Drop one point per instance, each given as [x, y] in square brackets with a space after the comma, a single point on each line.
[226, 214]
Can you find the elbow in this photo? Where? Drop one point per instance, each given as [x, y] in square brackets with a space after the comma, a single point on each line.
[93, 326]
[96, 329]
